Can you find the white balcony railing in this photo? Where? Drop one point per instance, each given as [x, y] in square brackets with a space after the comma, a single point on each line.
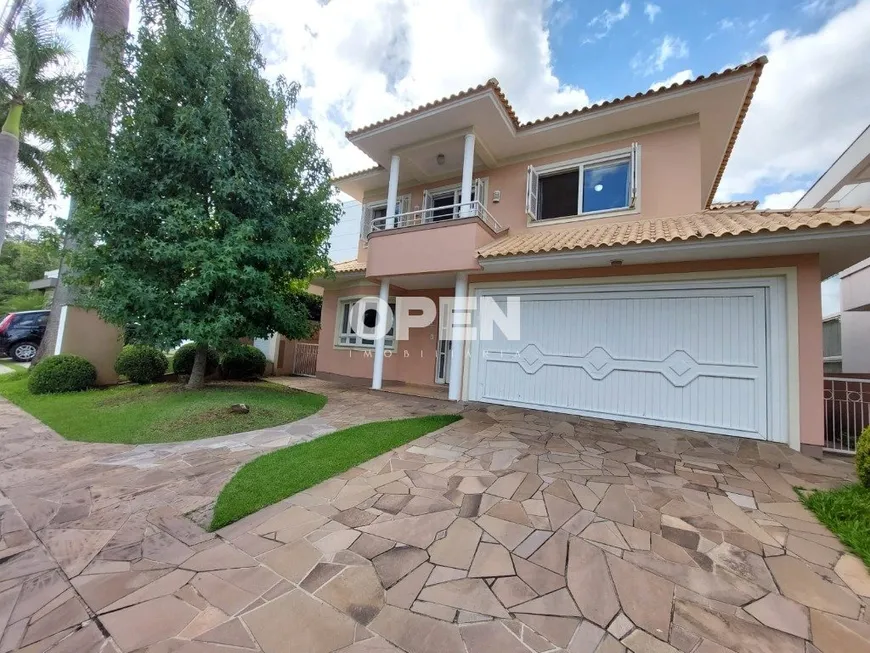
[435, 216]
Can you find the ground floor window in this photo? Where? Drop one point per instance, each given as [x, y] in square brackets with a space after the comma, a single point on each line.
[348, 337]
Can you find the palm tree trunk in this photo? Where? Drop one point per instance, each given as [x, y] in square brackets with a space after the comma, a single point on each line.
[200, 362]
[111, 18]
[8, 159]
[9, 23]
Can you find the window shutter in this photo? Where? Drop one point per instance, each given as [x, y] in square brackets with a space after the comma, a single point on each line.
[366, 223]
[428, 203]
[532, 193]
[635, 162]
[479, 193]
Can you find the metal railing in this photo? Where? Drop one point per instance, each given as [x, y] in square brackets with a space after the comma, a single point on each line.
[436, 215]
[847, 412]
[305, 359]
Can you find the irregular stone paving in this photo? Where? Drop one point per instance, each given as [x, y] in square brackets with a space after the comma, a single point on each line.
[508, 531]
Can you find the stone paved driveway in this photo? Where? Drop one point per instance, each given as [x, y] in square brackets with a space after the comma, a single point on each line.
[509, 531]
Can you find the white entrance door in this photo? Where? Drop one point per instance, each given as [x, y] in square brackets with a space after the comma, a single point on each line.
[688, 357]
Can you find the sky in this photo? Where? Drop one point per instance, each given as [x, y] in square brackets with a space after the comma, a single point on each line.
[363, 60]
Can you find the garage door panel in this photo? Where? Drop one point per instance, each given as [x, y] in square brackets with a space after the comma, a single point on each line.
[711, 329]
[696, 359]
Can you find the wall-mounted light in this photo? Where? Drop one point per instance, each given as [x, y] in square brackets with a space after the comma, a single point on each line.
[496, 196]
[440, 159]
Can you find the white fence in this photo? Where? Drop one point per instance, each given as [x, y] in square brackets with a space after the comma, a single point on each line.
[847, 412]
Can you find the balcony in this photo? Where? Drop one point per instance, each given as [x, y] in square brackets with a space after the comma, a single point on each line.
[433, 240]
[434, 216]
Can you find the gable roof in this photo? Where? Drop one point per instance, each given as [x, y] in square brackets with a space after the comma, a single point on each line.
[705, 224]
[492, 87]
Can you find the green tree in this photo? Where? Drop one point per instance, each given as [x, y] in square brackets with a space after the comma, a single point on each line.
[196, 210]
[35, 80]
[26, 259]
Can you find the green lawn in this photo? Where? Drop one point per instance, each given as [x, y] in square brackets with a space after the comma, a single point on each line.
[280, 474]
[163, 412]
[846, 512]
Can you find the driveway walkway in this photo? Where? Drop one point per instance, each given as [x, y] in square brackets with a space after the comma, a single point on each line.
[509, 531]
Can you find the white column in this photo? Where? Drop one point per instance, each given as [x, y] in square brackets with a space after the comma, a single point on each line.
[392, 191]
[457, 344]
[378, 372]
[467, 177]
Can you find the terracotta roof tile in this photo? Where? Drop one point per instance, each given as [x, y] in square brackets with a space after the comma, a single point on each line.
[490, 84]
[711, 223]
[349, 266]
[357, 173]
[742, 204]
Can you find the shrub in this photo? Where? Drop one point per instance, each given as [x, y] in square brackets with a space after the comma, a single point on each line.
[862, 457]
[243, 362]
[182, 361]
[141, 363]
[63, 373]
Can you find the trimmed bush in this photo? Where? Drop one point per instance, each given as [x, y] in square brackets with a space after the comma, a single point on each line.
[182, 360]
[243, 362]
[62, 373]
[141, 363]
[862, 458]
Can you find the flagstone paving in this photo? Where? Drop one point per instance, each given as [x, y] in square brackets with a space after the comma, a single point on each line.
[507, 531]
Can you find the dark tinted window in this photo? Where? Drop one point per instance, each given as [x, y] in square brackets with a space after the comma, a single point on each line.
[26, 319]
[559, 194]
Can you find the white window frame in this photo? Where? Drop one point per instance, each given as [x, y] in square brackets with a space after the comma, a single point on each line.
[534, 174]
[479, 187]
[389, 342]
[403, 205]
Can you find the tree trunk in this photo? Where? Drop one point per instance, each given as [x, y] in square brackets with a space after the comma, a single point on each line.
[8, 159]
[197, 374]
[111, 18]
[9, 24]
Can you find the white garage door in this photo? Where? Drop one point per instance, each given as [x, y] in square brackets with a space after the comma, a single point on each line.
[693, 357]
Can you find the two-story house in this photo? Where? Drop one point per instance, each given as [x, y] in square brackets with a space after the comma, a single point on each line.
[641, 300]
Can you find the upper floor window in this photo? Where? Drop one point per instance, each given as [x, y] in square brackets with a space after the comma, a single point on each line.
[589, 186]
[374, 214]
[444, 203]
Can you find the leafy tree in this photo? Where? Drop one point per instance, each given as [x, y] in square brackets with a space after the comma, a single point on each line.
[196, 211]
[24, 260]
[35, 80]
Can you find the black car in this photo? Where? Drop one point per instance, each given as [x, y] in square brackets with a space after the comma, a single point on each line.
[21, 333]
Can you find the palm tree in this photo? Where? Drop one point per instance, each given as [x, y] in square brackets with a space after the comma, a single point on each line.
[35, 81]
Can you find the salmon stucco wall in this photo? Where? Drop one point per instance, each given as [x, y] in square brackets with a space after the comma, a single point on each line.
[441, 247]
[86, 335]
[669, 182]
[412, 361]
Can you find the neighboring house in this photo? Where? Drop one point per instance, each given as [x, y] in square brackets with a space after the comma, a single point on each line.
[641, 301]
[846, 184]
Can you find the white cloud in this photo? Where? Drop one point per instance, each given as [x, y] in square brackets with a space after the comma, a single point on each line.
[810, 104]
[651, 10]
[676, 78]
[669, 47]
[605, 21]
[784, 200]
[821, 7]
[359, 62]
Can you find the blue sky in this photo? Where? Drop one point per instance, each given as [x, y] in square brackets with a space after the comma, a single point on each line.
[362, 60]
